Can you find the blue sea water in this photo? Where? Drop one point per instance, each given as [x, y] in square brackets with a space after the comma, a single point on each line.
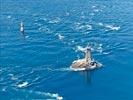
[36, 64]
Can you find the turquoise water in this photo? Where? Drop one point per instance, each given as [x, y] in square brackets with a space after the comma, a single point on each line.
[36, 64]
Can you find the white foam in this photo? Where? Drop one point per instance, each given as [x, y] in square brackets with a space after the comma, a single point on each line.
[106, 53]
[79, 27]
[80, 48]
[59, 98]
[89, 27]
[54, 69]
[77, 69]
[45, 19]
[12, 77]
[62, 69]
[53, 95]
[67, 13]
[92, 14]
[4, 89]
[82, 17]
[93, 6]
[56, 20]
[61, 37]
[27, 36]
[47, 95]
[100, 44]
[9, 16]
[101, 24]
[24, 84]
[72, 41]
[45, 29]
[77, 23]
[99, 48]
[84, 27]
[96, 10]
[111, 27]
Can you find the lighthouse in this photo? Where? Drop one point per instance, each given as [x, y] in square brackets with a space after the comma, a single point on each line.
[22, 27]
[86, 62]
[88, 55]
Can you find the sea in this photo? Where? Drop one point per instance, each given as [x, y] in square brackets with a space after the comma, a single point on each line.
[35, 64]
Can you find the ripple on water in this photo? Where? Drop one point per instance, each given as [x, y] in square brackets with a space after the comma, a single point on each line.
[55, 20]
[82, 27]
[109, 26]
[44, 29]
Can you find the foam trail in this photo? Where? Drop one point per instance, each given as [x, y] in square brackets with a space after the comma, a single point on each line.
[39, 95]
[53, 96]
[54, 69]
[65, 69]
[62, 69]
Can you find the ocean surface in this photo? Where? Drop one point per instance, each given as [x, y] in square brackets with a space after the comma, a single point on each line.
[36, 64]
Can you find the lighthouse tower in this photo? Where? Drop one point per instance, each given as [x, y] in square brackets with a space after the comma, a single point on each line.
[88, 55]
[22, 27]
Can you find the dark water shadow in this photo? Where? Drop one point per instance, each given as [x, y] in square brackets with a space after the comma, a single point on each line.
[88, 77]
[23, 35]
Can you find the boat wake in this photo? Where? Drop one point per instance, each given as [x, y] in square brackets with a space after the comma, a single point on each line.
[26, 94]
[53, 69]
